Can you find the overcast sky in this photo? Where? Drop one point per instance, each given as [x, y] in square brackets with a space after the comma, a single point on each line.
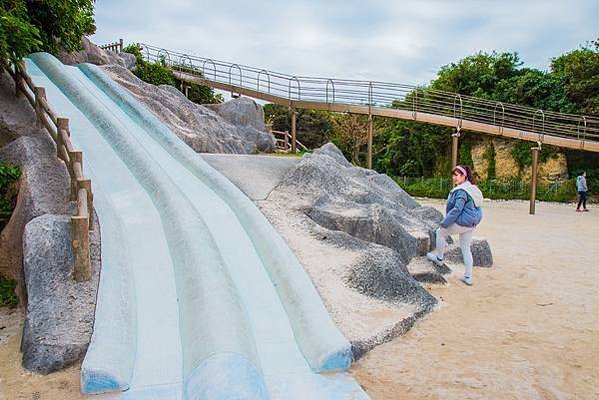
[396, 41]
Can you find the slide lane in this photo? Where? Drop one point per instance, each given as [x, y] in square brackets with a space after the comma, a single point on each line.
[205, 314]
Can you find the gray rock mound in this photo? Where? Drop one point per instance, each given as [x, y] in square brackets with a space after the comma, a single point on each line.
[481, 253]
[240, 131]
[94, 55]
[358, 211]
[60, 311]
[424, 271]
[360, 202]
[248, 117]
[383, 275]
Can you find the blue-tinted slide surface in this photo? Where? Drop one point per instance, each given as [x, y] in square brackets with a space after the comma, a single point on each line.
[199, 297]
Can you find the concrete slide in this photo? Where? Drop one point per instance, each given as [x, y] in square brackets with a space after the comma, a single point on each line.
[199, 297]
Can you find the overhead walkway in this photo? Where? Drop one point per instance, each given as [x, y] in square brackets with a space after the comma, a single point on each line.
[392, 100]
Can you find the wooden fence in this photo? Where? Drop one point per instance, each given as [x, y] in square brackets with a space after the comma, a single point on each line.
[117, 47]
[81, 188]
[283, 142]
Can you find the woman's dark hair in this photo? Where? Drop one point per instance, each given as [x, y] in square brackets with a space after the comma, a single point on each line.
[469, 175]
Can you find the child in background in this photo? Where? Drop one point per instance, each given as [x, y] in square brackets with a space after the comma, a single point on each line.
[581, 188]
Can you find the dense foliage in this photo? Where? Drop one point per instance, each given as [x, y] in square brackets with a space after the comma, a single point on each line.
[43, 25]
[9, 175]
[314, 128]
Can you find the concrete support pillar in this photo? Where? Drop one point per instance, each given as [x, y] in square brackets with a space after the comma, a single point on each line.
[370, 134]
[533, 180]
[293, 130]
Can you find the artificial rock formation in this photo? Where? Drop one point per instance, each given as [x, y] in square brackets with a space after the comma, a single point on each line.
[356, 232]
[236, 127]
[94, 55]
[35, 245]
[60, 311]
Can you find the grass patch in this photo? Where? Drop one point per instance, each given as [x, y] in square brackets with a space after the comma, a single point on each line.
[8, 298]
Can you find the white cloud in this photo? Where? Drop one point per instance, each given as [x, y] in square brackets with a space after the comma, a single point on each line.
[400, 41]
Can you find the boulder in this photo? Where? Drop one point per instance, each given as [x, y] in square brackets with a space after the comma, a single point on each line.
[202, 128]
[94, 55]
[248, 117]
[44, 188]
[60, 311]
[370, 229]
[481, 253]
[381, 274]
[128, 60]
[360, 202]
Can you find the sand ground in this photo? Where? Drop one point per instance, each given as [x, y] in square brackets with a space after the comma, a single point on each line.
[527, 329]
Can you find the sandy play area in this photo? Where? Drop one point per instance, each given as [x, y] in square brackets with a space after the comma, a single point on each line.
[527, 329]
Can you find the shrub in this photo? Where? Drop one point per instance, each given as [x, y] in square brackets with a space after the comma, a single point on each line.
[9, 175]
[7, 293]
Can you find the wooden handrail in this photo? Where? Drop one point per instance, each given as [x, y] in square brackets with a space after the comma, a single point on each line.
[286, 136]
[81, 188]
[117, 47]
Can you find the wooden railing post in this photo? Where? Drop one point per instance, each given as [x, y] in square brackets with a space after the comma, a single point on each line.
[80, 240]
[287, 140]
[81, 188]
[120, 45]
[370, 135]
[533, 180]
[293, 130]
[40, 93]
[87, 185]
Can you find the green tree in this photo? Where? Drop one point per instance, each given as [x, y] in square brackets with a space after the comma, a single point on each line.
[18, 36]
[579, 72]
[46, 25]
[62, 23]
[477, 75]
[412, 149]
[156, 73]
[534, 88]
[490, 157]
[200, 94]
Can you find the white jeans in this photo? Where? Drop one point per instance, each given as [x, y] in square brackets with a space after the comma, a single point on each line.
[465, 241]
